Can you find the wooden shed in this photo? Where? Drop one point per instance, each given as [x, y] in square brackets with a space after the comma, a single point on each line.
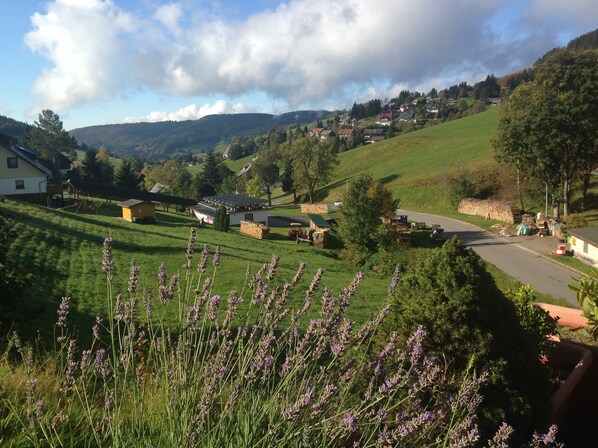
[136, 210]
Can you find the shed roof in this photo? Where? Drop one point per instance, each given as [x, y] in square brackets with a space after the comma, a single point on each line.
[589, 234]
[236, 202]
[318, 220]
[133, 202]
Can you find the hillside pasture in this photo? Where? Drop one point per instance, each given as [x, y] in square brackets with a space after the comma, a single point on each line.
[64, 251]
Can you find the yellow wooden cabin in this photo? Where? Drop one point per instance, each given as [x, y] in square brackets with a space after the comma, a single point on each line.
[135, 210]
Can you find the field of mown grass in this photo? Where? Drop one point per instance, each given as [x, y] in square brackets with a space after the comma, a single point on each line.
[64, 250]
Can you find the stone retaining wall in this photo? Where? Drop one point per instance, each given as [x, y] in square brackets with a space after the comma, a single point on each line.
[255, 229]
[501, 211]
[315, 208]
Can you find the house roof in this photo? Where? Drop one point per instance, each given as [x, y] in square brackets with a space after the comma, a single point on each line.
[10, 143]
[113, 192]
[318, 220]
[132, 203]
[589, 234]
[236, 202]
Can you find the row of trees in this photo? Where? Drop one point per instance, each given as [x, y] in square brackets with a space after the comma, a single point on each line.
[548, 129]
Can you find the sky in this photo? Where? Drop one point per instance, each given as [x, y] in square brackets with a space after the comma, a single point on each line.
[99, 62]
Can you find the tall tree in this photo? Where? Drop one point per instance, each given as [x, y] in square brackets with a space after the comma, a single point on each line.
[548, 128]
[96, 170]
[266, 168]
[125, 175]
[48, 137]
[313, 163]
[364, 204]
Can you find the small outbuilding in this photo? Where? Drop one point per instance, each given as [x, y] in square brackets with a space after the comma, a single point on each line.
[239, 208]
[136, 210]
[584, 243]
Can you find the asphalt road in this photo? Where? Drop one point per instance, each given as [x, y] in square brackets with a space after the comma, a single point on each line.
[510, 255]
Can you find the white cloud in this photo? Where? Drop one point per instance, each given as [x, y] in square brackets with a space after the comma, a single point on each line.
[192, 112]
[82, 40]
[169, 15]
[303, 52]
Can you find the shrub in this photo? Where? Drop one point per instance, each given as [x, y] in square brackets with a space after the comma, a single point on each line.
[456, 300]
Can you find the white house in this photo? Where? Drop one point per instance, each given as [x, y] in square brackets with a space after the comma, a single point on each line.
[239, 208]
[584, 243]
[21, 176]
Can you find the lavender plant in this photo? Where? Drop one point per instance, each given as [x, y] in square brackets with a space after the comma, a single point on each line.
[242, 370]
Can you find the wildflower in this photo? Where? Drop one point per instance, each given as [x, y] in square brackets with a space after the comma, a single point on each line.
[272, 267]
[216, 259]
[59, 419]
[350, 422]
[85, 360]
[107, 261]
[192, 317]
[148, 306]
[162, 275]
[96, 328]
[101, 363]
[213, 308]
[71, 366]
[190, 247]
[292, 412]
[315, 282]
[203, 260]
[133, 277]
[394, 280]
[233, 300]
[63, 311]
[339, 343]
[299, 273]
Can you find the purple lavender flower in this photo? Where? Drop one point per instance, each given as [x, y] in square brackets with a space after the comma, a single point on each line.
[216, 259]
[107, 261]
[63, 311]
[96, 328]
[213, 306]
[299, 273]
[315, 282]
[162, 275]
[272, 266]
[350, 422]
[133, 277]
[190, 247]
[203, 259]
[101, 363]
[394, 281]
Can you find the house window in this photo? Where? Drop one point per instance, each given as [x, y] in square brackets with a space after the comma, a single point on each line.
[11, 162]
[19, 184]
[585, 247]
[248, 216]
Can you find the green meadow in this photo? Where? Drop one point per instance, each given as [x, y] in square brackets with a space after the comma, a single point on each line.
[63, 251]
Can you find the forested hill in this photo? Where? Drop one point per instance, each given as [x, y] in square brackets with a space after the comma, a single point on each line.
[160, 140]
[13, 127]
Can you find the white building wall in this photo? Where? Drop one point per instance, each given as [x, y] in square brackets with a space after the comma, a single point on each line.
[258, 216]
[590, 253]
[33, 185]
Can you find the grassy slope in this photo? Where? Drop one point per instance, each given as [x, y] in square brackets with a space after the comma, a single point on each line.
[64, 250]
[415, 165]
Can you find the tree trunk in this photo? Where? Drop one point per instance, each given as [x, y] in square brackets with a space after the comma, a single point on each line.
[519, 190]
[566, 197]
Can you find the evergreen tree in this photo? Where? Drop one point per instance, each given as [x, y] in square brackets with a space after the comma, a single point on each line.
[125, 176]
[49, 138]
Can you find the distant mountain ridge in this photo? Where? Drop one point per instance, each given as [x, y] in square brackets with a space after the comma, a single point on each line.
[162, 139]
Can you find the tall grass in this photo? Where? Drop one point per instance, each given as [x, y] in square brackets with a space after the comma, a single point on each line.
[232, 371]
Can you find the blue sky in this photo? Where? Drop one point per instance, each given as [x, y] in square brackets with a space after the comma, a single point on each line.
[117, 61]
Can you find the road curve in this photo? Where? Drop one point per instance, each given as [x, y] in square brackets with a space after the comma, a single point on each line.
[521, 263]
